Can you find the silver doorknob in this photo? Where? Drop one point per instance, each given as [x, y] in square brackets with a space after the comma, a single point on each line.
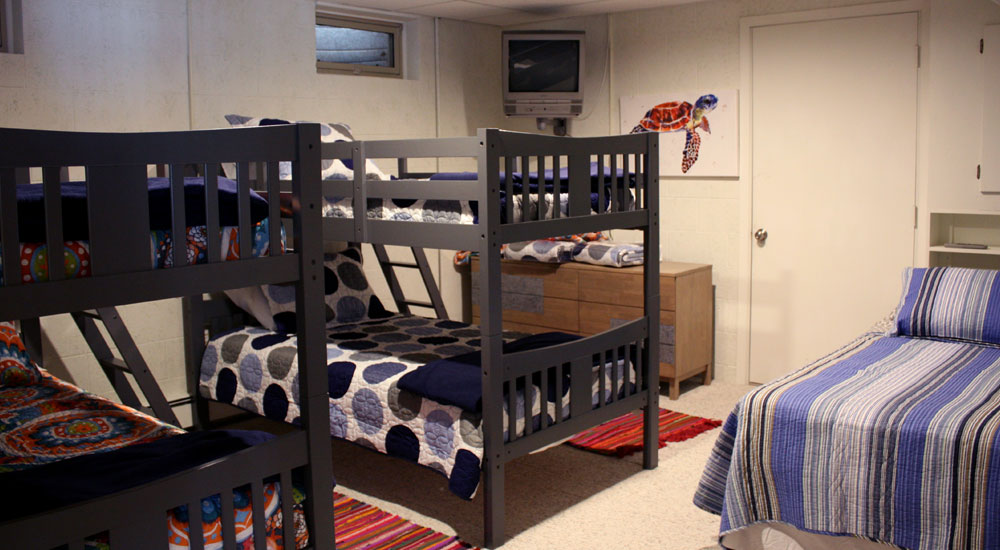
[761, 236]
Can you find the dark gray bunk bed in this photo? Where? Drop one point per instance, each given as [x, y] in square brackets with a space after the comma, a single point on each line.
[120, 251]
[590, 164]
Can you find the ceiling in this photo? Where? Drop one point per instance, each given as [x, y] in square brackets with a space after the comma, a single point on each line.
[509, 12]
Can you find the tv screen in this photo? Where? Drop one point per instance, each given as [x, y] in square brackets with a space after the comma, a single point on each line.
[543, 66]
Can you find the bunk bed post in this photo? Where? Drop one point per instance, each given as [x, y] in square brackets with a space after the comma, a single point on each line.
[650, 174]
[491, 328]
[194, 350]
[311, 320]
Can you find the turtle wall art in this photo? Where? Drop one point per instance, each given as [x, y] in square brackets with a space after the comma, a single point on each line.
[698, 130]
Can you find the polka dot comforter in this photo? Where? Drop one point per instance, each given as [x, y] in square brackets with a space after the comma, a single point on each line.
[256, 370]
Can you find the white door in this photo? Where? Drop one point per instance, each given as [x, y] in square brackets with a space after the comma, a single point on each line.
[833, 162]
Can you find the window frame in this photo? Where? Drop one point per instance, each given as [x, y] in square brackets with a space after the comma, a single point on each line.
[389, 27]
[4, 31]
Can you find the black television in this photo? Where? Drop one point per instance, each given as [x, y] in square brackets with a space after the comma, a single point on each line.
[543, 73]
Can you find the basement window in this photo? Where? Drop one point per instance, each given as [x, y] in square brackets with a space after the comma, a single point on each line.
[350, 46]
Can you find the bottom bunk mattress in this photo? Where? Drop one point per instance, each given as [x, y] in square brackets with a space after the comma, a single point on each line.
[60, 445]
[891, 439]
[392, 387]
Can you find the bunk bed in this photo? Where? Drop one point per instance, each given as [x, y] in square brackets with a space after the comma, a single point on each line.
[519, 395]
[122, 269]
[892, 440]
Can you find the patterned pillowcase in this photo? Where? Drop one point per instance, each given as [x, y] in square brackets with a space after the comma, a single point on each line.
[349, 297]
[333, 169]
[950, 302]
[16, 367]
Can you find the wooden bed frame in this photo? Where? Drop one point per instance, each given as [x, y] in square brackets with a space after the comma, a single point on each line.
[497, 151]
[116, 168]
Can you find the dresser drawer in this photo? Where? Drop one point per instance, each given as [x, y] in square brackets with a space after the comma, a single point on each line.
[554, 313]
[533, 279]
[614, 286]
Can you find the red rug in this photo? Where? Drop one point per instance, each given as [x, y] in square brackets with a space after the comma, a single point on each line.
[623, 435]
[361, 526]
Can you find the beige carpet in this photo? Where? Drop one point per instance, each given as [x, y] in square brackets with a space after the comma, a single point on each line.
[563, 497]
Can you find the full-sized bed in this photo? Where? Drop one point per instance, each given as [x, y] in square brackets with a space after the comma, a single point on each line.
[56, 437]
[893, 439]
[460, 399]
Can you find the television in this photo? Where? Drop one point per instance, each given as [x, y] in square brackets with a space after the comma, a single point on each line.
[543, 73]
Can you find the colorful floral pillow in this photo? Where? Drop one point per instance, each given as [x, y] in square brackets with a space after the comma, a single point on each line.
[349, 297]
[16, 367]
[950, 302]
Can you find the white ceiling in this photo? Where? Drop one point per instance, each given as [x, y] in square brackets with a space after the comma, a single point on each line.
[509, 12]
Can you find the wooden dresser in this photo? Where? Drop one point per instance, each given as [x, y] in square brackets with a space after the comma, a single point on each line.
[586, 299]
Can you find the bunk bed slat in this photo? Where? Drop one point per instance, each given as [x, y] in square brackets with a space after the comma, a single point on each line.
[178, 218]
[614, 374]
[556, 188]
[212, 212]
[602, 180]
[8, 227]
[626, 368]
[53, 222]
[118, 244]
[243, 200]
[544, 398]
[228, 523]
[525, 195]
[287, 510]
[257, 505]
[196, 534]
[511, 409]
[615, 206]
[579, 185]
[509, 188]
[560, 370]
[273, 209]
[540, 178]
[529, 420]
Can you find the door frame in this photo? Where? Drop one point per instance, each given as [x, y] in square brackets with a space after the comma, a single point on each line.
[745, 230]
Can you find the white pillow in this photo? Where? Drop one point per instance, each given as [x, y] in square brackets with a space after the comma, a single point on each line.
[252, 300]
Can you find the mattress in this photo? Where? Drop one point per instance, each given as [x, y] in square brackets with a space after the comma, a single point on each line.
[892, 439]
[60, 445]
[256, 370]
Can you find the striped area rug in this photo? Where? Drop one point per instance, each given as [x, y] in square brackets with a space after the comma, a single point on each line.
[623, 435]
[361, 526]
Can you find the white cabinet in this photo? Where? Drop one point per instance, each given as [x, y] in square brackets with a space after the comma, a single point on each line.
[974, 227]
[989, 178]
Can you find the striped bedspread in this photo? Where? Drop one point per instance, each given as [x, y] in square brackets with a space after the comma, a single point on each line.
[892, 439]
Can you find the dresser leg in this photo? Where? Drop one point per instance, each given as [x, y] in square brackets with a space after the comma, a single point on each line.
[675, 388]
[708, 376]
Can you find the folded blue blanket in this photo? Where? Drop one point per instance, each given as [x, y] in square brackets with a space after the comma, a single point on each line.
[81, 478]
[31, 207]
[458, 380]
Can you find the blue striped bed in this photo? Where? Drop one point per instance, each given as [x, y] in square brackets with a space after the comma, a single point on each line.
[893, 438]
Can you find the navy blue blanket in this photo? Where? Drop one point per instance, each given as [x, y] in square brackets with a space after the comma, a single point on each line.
[458, 380]
[81, 478]
[31, 207]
